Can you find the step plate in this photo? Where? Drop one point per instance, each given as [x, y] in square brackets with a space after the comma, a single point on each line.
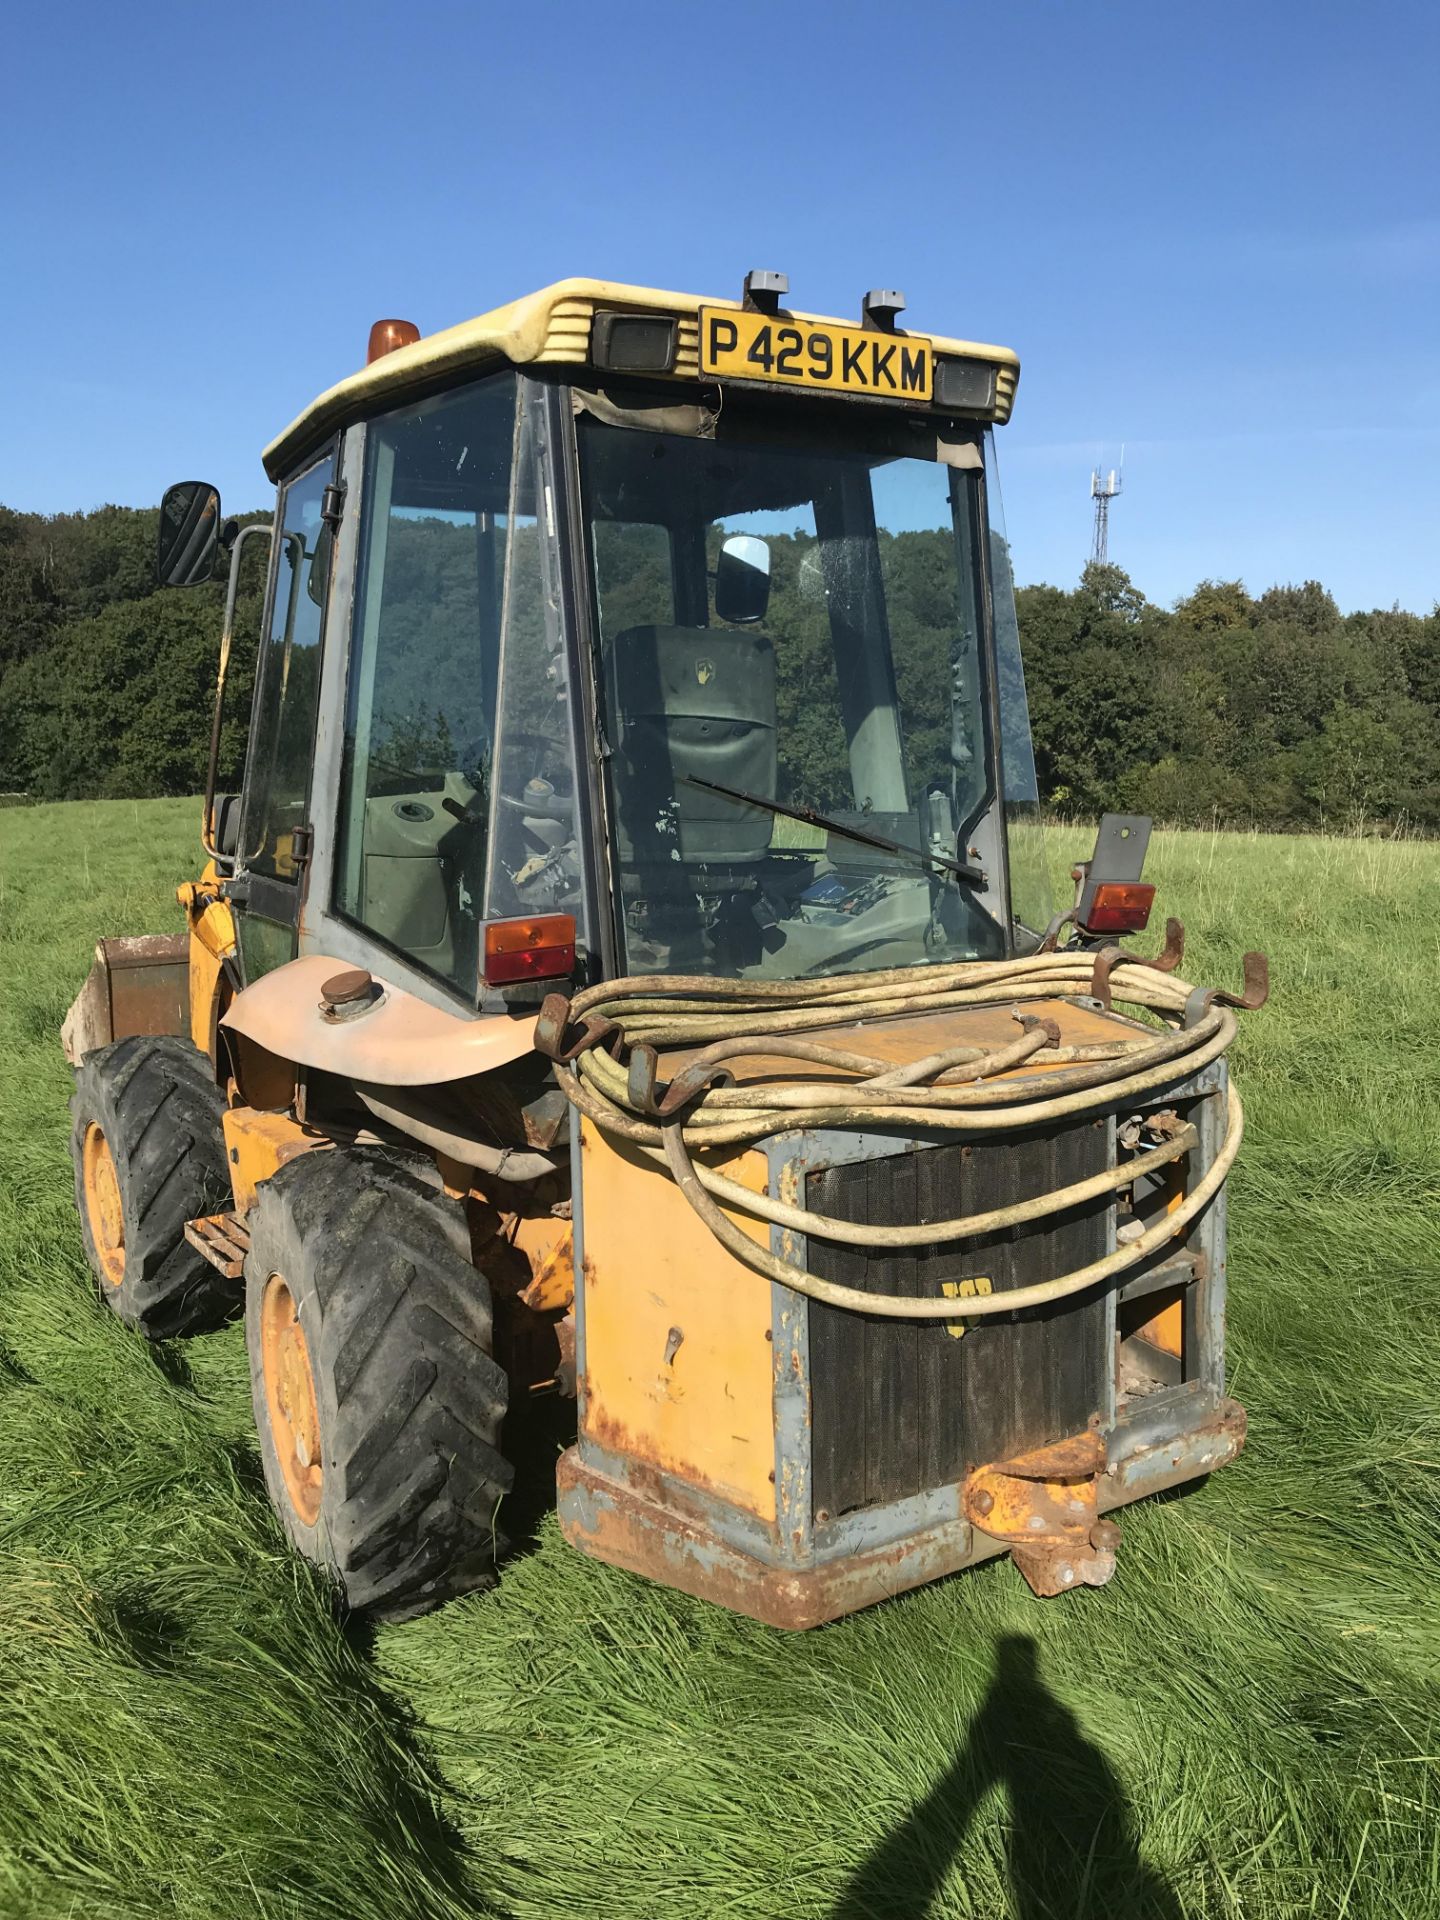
[224, 1240]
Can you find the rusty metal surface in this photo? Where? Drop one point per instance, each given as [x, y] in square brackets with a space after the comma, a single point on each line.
[1256, 991]
[444, 1125]
[87, 1025]
[552, 1285]
[224, 1240]
[659, 1100]
[137, 984]
[1050, 940]
[1171, 1459]
[401, 1041]
[701, 1411]
[915, 1036]
[142, 950]
[1043, 1506]
[1108, 958]
[558, 1040]
[544, 1118]
[612, 1523]
[640, 1527]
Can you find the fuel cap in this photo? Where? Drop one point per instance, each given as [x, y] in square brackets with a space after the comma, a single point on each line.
[345, 996]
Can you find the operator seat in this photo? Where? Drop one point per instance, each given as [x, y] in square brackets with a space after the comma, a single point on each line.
[696, 702]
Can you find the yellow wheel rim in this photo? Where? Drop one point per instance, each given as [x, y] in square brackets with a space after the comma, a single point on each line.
[104, 1209]
[290, 1398]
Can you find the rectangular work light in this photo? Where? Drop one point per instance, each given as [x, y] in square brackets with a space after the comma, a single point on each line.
[633, 342]
[967, 386]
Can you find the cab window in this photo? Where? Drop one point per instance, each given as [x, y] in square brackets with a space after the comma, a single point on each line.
[283, 727]
[420, 715]
[799, 755]
[634, 574]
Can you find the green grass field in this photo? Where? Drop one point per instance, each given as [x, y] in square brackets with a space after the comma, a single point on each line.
[1245, 1723]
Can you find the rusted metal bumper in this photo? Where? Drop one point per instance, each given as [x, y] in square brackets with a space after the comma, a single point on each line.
[679, 1545]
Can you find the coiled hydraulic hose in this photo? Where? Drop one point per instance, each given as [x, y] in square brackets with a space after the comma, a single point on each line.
[964, 1089]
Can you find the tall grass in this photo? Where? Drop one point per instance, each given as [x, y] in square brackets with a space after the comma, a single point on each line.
[1245, 1723]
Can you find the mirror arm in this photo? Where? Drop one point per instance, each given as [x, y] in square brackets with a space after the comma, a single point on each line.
[227, 634]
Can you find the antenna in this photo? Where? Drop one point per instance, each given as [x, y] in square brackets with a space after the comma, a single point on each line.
[1103, 489]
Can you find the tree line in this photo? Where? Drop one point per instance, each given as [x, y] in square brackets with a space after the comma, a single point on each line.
[1274, 710]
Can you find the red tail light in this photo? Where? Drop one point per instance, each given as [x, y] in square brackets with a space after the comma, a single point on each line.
[1120, 906]
[542, 948]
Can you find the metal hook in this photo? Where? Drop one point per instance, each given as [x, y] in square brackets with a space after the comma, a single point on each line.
[1257, 991]
[553, 1024]
[1108, 958]
[659, 1100]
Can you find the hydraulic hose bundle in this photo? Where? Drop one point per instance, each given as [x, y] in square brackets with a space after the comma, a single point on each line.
[604, 1041]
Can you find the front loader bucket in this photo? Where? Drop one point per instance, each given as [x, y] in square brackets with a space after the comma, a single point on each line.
[138, 984]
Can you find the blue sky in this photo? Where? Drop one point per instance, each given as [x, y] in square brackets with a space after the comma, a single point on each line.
[1211, 231]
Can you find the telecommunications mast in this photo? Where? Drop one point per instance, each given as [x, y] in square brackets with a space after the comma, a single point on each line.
[1103, 489]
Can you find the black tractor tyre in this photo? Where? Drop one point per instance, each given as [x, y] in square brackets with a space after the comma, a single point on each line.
[149, 1154]
[377, 1399]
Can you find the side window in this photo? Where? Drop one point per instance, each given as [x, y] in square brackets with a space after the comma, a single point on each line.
[1031, 899]
[420, 704]
[283, 730]
[634, 576]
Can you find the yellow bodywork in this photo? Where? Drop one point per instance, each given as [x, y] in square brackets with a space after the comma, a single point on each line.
[258, 1144]
[552, 328]
[552, 1258]
[679, 1364]
[212, 942]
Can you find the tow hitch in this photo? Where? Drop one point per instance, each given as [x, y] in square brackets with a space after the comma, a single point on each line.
[1043, 1506]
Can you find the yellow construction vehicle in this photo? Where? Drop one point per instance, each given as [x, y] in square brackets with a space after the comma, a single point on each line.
[628, 974]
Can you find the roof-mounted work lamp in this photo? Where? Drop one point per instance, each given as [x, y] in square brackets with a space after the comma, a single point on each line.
[764, 290]
[633, 342]
[879, 308]
[963, 385]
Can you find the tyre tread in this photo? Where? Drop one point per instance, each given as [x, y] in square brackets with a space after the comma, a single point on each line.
[156, 1100]
[398, 1326]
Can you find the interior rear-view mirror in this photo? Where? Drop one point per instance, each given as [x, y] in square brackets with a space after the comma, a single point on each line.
[189, 533]
[742, 580]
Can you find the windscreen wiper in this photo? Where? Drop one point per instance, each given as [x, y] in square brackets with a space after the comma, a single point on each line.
[973, 876]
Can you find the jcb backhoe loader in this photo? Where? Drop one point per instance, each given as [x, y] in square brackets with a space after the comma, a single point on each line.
[628, 972]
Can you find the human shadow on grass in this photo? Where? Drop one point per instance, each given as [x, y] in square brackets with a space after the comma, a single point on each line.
[1070, 1840]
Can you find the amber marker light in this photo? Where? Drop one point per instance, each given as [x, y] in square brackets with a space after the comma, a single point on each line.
[542, 948]
[387, 335]
[1120, 906]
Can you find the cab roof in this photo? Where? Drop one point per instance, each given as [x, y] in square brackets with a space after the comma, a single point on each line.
[548, 328]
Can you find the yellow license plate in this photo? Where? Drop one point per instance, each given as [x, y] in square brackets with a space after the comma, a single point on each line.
[735, 345]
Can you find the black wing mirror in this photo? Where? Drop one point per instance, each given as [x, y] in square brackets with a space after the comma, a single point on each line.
[742, 580]
[189, 533]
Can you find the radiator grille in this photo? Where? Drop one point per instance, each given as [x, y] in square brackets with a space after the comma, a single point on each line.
[900, 1406]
